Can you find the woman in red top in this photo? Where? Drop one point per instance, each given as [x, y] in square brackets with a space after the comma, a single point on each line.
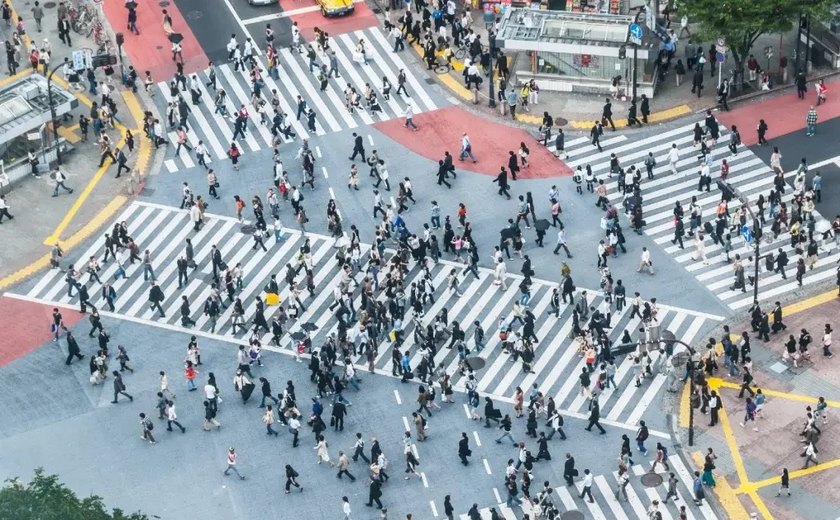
[724, 170]
[190, 373]
[462, 215]
[234, 154]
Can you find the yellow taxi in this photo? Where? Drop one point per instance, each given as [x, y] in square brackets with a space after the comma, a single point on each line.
[335, 7]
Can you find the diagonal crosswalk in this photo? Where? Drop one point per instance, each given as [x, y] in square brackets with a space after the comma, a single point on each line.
[607, 507]
[163, 230]
[747, 173]
[216, 130]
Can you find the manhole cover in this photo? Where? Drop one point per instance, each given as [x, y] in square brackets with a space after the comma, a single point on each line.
[572, 515]
[431, 81]
[247, 230]
[164, 3]
[194, 15]
[476, 363]
[651, 479]
[559, 121]
[49, 5]
[158, 47]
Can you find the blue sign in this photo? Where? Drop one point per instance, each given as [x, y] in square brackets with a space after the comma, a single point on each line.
[720, 57]
[745, 231]
[636, 33]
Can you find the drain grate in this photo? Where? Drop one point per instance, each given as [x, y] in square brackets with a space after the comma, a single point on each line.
[430, 81]
[49, 5]
[247, 229]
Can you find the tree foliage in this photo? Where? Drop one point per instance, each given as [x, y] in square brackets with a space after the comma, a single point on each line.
[742, 22]
[45, 498]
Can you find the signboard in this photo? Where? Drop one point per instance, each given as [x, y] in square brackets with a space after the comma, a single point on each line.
[82, 59]
[650, 17]
[720, 57]
[635, 33]
[746, 233]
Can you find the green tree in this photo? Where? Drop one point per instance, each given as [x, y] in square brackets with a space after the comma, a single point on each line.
[45, 498]
[742, 22]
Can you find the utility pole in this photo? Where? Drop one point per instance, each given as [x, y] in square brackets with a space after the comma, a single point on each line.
[731, 192]
[491, 36]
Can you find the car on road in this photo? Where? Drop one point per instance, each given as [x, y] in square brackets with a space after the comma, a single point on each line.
[336, 7]
[262, 2]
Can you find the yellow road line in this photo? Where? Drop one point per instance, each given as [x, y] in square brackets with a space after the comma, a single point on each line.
[733, 447]
[456, 87]
[752, 487]
[104, 215]
[20, 75]
[761, 506]
[726, 495]
[810, 303]
[654, 117]
[69, 133]
[715, 382]
[685, 404]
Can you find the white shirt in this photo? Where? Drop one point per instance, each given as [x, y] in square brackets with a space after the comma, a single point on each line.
[674, 155]
[587, 480]
[209, 391]
[346, 508]
[646, 257]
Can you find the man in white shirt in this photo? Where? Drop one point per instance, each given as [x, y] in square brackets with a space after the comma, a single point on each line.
[231, 464]
[587, 486]
[645, 262]
[673, 157]
[60, 177]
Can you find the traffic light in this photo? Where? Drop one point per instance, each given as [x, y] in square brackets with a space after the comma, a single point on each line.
[622, 52]
[102, 60]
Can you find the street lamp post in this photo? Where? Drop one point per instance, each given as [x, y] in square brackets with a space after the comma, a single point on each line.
[53, 116]
[491, 36]
[730, 192]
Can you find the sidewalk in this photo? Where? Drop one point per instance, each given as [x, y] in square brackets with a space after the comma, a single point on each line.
[750, 462]
[578, 111]
[70, 218]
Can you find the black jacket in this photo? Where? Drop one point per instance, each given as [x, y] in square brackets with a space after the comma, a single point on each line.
[156, 294]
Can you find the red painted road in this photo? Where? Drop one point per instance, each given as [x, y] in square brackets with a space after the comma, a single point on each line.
[783, 114]
[362, 18]
[151, 50]
[26, 326]
[441, 130]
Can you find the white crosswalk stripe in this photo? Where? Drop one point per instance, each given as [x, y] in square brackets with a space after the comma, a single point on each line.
[607, 506]
[556, 366]
[295, 79]
[747, 173]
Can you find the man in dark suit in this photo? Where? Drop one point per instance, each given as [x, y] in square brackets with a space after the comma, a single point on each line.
[464, 448]
[156, 297]
[569, 470]
[84, 298]
[122, 161]
[72, 349]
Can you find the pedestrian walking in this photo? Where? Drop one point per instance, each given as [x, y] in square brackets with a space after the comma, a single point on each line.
[231, 464]
[146, 426]
[60, 178]
[119, 387]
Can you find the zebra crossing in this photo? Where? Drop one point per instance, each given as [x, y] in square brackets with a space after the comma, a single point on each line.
[607, 506]
[332, 115]
[747, 173]
[163, 230]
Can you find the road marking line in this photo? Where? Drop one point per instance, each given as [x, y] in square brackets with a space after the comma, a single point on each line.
[425, 482]
[498, 496]
[467, 411]
[397, 396]
[286, 14]
[370, 139]
[434, 508]
[487, 467]
[318, 151]
[324, 171]
[241, 25]
[477, 440]
[405, 423]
